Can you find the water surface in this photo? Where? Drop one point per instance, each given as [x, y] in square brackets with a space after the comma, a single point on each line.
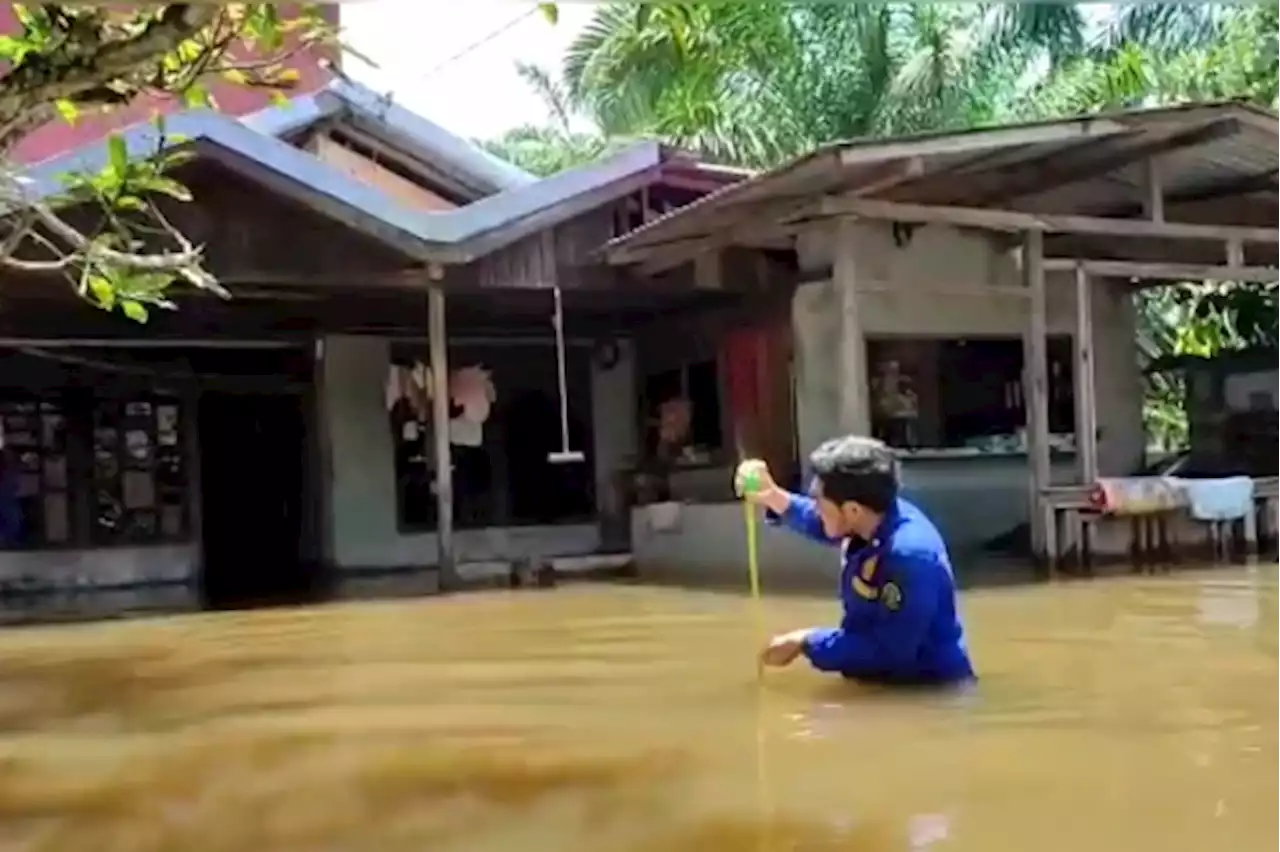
[1126, 714]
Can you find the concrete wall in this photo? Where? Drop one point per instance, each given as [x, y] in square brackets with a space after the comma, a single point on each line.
[107, 567]
[950, 283]
[943, 284]
[360, 504]
[972, 501]
[706, 544]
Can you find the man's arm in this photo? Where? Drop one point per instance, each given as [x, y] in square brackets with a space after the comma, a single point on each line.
[797, 513]
[910, 596]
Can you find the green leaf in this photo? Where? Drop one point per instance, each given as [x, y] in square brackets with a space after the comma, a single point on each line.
[177, 158]
[165, 186]
[68, 110]
[550, 11]
[13, 49]
[130, 202]
[135, 311]
[278, 98]
[102, 291]
[119, 155]
[197, 96]
[236, 77]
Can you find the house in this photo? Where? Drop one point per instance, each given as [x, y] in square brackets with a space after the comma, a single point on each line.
[968, 298]
[251, 443]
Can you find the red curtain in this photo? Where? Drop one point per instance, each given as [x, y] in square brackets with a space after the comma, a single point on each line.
[757, 365]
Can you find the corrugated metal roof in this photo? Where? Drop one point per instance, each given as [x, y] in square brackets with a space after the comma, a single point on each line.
[398, 127]
[991, 153]
[256, 147]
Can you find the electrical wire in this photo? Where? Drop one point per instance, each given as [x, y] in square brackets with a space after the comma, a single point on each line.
[474, 46]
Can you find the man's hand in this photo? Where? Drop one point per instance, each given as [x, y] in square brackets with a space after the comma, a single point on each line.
[753, 481]
[784, 648]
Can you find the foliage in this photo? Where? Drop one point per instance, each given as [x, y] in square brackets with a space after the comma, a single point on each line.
[556, 146]
[762, 81]
[69, 59]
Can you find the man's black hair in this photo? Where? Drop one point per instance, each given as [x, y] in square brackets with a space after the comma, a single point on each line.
[857, 469]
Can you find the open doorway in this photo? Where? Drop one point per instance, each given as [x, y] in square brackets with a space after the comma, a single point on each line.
[252, 456]
[540, 491]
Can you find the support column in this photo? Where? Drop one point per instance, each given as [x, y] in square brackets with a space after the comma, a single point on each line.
[438, 348]
[1036, 386]
[855, 409]
[1085, 390]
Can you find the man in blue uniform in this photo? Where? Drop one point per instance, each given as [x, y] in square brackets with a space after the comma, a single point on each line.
[900, 624]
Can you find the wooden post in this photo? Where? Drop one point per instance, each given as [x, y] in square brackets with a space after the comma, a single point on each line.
[1085, 389]
[855, 410]
[437, 345]
[1154, 203]
[1036, 384]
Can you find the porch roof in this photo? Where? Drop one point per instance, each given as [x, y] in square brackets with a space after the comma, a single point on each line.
[1217, 162]
[258, 148]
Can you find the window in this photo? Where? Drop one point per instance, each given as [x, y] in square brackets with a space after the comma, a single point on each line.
[501, 448]
[95, 472]
[35, 441]
[139, 478]
[699, 385]
[940, 393]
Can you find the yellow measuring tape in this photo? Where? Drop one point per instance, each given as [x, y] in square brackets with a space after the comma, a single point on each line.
[757, 604]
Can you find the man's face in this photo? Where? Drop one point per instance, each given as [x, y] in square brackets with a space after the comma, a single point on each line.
[838, 519]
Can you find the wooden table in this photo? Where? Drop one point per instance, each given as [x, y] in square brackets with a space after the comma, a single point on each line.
[1064, 508]
[1068, 508]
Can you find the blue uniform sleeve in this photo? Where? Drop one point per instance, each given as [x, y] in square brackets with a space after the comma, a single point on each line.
[801, 517]
[909, 597]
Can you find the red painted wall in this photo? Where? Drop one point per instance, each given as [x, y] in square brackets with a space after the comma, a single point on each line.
[57, 136]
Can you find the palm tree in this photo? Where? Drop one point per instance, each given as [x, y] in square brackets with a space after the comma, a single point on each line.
[547, 149]
[761, 81]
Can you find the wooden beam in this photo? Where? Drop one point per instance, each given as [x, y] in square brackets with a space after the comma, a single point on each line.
[1154, 186]
[437, 346]
[717, 233]
[757, 219]
[1085, 388]
[1165, 271]
[1013, 221]
[1036, 392]
[979, 140]
[1235, 253]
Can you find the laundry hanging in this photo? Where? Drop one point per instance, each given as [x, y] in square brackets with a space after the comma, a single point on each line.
[412, 384]
[471, 396]
[470, 389]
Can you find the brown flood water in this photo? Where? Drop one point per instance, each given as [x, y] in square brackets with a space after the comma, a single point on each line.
[1128, 714]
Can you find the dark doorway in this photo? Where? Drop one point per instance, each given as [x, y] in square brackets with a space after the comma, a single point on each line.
[252, 455]
[540, 491]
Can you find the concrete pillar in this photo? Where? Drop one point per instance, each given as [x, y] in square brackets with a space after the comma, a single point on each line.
[855, 408]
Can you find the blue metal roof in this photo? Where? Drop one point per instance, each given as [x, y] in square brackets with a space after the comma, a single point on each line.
[255, 147]
[404, 130]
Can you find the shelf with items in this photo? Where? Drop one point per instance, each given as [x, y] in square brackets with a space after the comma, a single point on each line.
[33, 433]
[139, 473]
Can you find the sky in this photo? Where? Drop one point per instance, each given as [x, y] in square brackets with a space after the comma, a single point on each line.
[454, 62]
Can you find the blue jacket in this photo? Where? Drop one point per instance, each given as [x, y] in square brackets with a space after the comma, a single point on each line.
[901, 623]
